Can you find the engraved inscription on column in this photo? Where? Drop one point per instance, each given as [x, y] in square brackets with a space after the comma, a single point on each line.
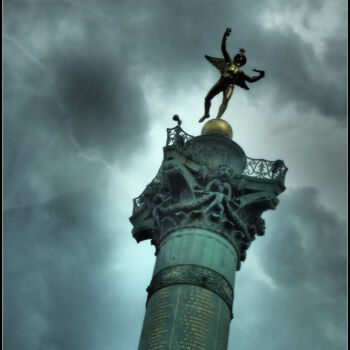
[156, 326]
[185, 317]
[221, 333]
[197, 319]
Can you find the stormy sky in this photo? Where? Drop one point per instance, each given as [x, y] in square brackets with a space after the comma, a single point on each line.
[89, 90]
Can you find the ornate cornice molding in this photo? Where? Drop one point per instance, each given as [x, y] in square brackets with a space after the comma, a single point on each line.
[204, 182]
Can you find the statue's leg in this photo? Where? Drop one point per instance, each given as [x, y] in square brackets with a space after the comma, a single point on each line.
[216, 207]
[217, 88]
[227, 95]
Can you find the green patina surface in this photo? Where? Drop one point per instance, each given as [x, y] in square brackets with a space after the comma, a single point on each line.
[182, 317]
[202, 211]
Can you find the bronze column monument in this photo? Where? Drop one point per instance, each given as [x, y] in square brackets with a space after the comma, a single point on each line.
[201, 212]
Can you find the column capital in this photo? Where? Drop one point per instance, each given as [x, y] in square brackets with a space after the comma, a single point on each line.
[208, 182]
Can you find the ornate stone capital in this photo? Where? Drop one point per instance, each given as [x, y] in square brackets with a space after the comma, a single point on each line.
[208, 182]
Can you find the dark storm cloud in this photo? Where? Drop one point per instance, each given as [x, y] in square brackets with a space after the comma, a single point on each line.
[70, 101]
[302, 78]
[73, 105]
[172, 37]
[304, 253]
[169, 39]
[60, 80]
[60, 286]
[313, 236]
[62, 291]
[103, 109]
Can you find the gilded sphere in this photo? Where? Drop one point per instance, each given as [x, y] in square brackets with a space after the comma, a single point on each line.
[217, 126]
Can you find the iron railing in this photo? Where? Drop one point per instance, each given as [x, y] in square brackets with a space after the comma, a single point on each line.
[263, 169]
[258, 169]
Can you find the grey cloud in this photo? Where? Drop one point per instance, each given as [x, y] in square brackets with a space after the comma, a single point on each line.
[304, 253]
[296, 74]
[304, 79]
[70, 101]
[73, 104]
[311, 237]
[61, 290]
[104, 109]
[82, 76]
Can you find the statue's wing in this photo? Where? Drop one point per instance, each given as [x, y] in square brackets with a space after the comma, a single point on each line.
[219, 63]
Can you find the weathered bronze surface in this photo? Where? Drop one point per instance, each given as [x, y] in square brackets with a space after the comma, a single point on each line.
[231, 75]
[182, 317]
[195, 275]
[202, 211]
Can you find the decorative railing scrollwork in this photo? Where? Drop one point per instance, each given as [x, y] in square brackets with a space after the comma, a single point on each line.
[265, 169]
[256, 169]
[176, 136]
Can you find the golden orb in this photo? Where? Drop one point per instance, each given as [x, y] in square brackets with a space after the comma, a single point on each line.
[219, 126]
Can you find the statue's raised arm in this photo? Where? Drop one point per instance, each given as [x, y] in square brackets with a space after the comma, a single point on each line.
[223, 45]
[231, 75]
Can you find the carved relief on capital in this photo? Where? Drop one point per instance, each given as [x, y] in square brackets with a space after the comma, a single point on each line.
[187, 194]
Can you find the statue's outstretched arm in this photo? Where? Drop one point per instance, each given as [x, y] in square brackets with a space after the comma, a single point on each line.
[223, 45]
[256, 78]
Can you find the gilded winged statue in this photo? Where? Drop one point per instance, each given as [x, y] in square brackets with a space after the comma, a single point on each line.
[231, 75]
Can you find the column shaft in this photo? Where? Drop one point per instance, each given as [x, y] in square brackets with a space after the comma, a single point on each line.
[191, 293]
